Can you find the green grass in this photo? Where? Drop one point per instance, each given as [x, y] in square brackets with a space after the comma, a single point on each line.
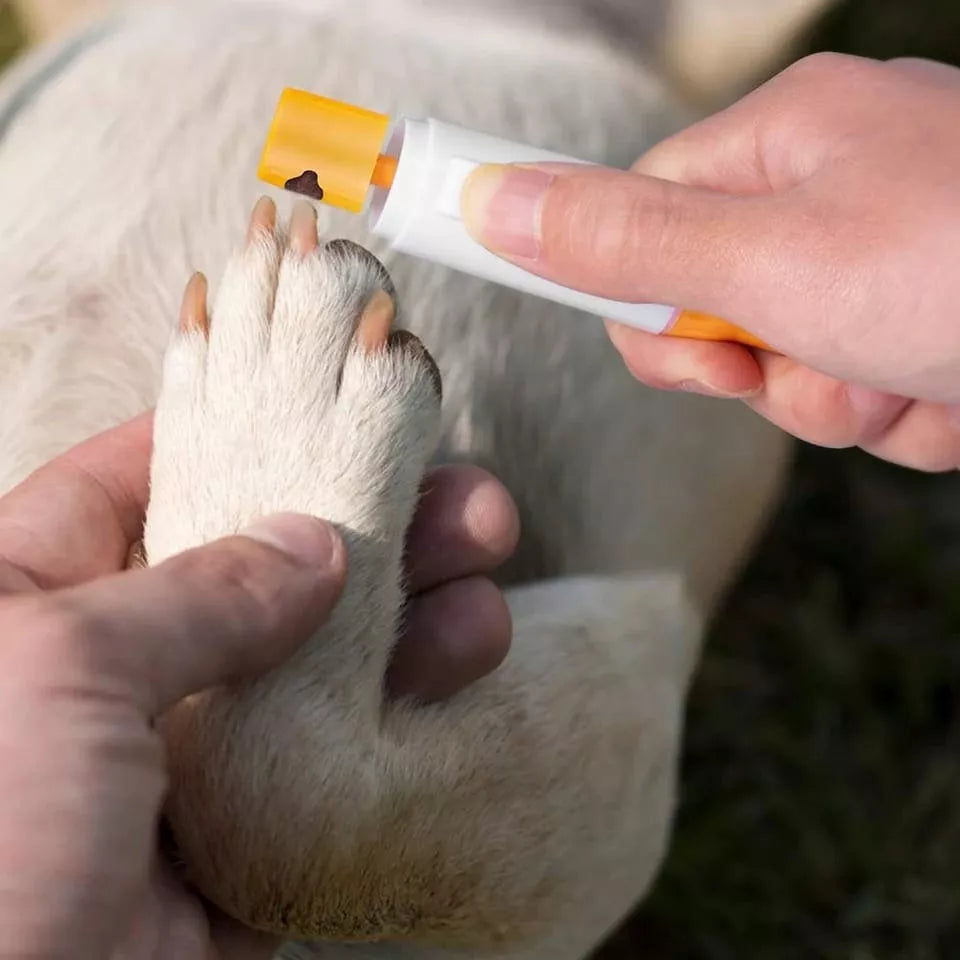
[820, 813]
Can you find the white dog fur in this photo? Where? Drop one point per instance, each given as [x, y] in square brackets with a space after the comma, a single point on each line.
[526, 816]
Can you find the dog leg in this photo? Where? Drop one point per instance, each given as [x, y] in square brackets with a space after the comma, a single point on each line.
[534, 805]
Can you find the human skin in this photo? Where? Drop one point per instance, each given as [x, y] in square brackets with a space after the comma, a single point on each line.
[91, 653]
[821, 213]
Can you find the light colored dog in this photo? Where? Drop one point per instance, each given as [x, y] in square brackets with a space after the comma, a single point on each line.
[527, 815]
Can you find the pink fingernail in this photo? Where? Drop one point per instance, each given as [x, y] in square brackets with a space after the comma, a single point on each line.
[501, 207]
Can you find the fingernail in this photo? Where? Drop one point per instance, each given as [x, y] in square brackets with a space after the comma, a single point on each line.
[263, 219]
[303, 227]
[501, 207]
[705, 389]
[375, 322]
[312, 542]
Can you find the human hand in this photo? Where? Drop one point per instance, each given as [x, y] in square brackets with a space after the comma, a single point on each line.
[90, 654]
[821, 213]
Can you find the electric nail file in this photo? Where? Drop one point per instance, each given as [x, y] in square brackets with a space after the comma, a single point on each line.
[336, 153]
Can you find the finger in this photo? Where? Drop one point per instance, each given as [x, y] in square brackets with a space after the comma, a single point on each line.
[820, 409]
[455, 634]
[925, 437]
[710, 220]
[76, 517]
[922, 69]
[208, 616]
[466, 524]
[831, 413]
[626, 237]
[714, 369]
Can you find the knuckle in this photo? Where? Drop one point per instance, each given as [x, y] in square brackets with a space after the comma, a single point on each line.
[230, 567]
[240, 573]
[825, 69]
[15, 578]
[652, 222]
[616, 222]
[825, 83]
[48, 634]
[821, 414]
[58, 620]
[922, 439]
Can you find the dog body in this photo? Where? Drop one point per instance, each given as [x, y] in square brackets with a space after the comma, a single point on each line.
[524, 818]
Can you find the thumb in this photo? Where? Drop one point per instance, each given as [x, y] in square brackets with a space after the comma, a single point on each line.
[622, 235]
[229, 609]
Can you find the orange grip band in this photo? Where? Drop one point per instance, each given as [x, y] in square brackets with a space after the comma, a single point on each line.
[702, 326]
[384, 171]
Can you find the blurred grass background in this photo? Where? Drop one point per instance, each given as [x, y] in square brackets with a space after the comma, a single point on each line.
[820, 811]
[12, 32]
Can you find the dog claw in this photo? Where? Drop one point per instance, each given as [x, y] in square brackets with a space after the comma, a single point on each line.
[303, 227]
[193, 308]
[375, 322]
[263, 219]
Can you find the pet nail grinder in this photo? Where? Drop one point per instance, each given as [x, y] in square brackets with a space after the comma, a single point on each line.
[338, 154]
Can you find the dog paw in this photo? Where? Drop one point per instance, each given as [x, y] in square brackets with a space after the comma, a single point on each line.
[295, 395]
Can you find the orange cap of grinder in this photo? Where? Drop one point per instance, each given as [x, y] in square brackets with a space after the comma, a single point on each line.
[331, 151]
[326, 150]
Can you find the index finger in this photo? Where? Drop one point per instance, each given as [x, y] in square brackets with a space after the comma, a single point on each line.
[77, 517]
[627, 236]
